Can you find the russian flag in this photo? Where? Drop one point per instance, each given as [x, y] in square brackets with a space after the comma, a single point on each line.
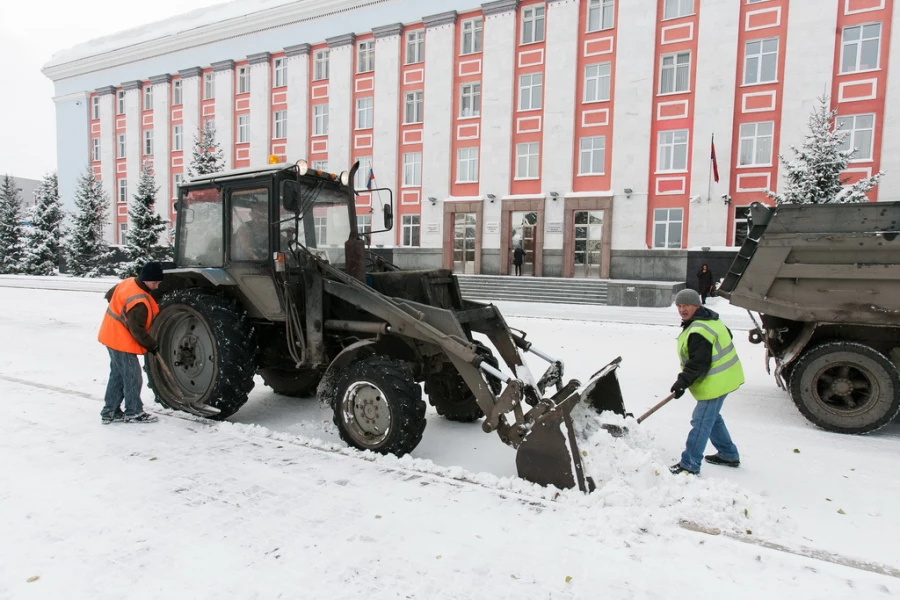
[371, 179]
[712, 156]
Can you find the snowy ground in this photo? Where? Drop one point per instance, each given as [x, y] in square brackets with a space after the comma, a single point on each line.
[271, 505]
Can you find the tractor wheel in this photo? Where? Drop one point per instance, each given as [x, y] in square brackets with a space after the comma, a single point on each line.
[846, 387]
[378, 406]
[209, 345]
[451, 397]
[298, 384]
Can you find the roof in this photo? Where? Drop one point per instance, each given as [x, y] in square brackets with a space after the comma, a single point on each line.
[242, 172]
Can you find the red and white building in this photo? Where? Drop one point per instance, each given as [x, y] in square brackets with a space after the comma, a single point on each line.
[578, 128]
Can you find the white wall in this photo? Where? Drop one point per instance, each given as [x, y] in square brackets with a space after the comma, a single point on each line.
[224, 86]
[73, 153]
[108, 144]
[260, 112]
[889, 188]
[298, 106]
[387, 124]
[162, 128]
[134, 138]
[340, 110]
[190, 117]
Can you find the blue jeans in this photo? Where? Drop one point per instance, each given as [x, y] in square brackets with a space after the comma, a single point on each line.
[125, 382]
[707, 425]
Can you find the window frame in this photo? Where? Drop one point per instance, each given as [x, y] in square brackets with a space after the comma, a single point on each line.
[414, 100]
[96, 149]
[177, 93]
[120, 102]
[365, 115]
[121, 146]
[412, 228]
[593, 150]
[858, 44]
[320, 119]
[177, 180]
[471, 163]
[755, 143]
[474, 97]
[415, 39]
[177, 138]
[853, 132]
[532, 161]
[95, 108]
[243, 129]
[736, 221]
[476, 31]
[365, 56]
[412, 169]
[148, 97]
[279, 124]
[599, 79]
[531, 91]
[122, 194]
[674, 144]
[362, 175]
[320, 165]
[760, 58]
[678, 9]
[123, 233]
[321, 65]
[598, 7]
[148, 142]
[530, 15]
[668, 222]
[243, 80]
[674, 68]
[209, 86]
[279, 72]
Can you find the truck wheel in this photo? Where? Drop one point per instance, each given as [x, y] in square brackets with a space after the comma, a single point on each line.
[298, 384]
[451, 397]
[846, 387]
[209, 345]
[378, 406]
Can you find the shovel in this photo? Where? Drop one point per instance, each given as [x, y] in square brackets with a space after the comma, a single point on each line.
[195, 408]
[619, 431]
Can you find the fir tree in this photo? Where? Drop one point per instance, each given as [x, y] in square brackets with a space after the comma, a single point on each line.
[146, 228]
[207, 155]
[815, 175]
[87, 253]
[11, 230]
[42, 242]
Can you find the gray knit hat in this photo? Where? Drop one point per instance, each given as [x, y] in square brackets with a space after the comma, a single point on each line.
[687, 296]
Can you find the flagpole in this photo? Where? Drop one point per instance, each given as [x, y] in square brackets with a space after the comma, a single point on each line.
[712, 141]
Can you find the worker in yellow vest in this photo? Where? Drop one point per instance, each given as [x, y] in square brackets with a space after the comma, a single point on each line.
[710, 369]
[125, 331]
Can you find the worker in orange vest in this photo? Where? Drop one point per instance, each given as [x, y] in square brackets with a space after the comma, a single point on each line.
[125, 331]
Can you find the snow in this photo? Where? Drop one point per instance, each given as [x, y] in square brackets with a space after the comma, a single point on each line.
[272, 504]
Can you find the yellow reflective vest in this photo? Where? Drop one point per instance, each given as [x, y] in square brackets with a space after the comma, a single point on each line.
[725, 371]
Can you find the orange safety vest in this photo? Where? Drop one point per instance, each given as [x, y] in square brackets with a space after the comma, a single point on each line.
[114, 328]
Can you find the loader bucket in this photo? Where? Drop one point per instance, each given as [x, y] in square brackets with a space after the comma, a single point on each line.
[603, 393]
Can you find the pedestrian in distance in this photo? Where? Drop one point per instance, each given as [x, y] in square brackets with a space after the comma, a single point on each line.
[710, 369]
[518, 257]
[125, 331]
[704, 282]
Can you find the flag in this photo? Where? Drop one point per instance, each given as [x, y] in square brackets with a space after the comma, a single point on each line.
[712, 156]
[371, 180]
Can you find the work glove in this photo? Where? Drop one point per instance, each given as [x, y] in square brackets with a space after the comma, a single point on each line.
[678, 388]
[154, 349]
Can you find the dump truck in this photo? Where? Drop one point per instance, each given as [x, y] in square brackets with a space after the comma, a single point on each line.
[825, 281]
[272, 277]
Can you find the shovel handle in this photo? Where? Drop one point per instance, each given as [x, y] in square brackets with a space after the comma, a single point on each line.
[662, 403]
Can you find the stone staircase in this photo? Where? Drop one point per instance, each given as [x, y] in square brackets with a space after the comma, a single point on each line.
[557, 290]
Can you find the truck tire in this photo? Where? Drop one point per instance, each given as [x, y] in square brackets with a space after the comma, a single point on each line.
[378, 406]
[451, 397]
[297, 384]
[209, 345]
[846, 387]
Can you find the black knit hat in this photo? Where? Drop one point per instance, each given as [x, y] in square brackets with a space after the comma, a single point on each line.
[152, 271]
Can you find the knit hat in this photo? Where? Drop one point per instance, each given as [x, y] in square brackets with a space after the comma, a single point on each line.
[152, 271]
[687, 296]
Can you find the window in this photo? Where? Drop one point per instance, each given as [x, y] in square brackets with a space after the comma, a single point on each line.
[593, 155]
[413, 113]
[362, 176]
[321, 224]
[279, 127]
[364, 113]
[280, 72]
[467, 165]
[120, 102]
[177, 178]
[363, 224]
[95, 107]
[148, 142]
[527, 160]
[123, 233]
[410, 230]
[600, 15]
[320, 165]
[365, 56]
[531, 88]
[472, 34]
[859, 47]
[320, 119]
[209, 125]
[756, 144]
[95, 149]
[321, 65]
[123, 191]
[678, 8]
[596, 82]
[412, 169]
[675, 73]
[859, 130]
[209, 86]
[667, 226]
[177, 137]
[741, 225]
[243, 129]
[243, 80]
[470, 100]
[761, 61]
[673, 151]
[415, 47]
[532, 24]
[176, 92]
[148, 97]
[121, 149]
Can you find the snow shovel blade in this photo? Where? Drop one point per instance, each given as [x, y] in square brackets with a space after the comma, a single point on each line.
[549, 455]
[603, 392]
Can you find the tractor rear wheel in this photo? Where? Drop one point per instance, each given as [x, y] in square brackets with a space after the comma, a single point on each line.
[298, 384]
[451, 397]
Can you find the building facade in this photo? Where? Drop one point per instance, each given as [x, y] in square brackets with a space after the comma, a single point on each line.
[574, 128]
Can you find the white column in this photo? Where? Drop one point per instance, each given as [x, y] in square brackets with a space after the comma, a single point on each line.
[134, 137]
[260, 107]
[385, 146]
[223, 74]
[340, 98]
[440, 37]
[889, 188]
[298, 101]
[560, 81]
[108, 156]
[190, 115]
[713, 114]
[162, 127]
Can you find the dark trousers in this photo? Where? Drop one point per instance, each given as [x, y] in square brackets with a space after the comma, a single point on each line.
[124, 383]
[518, 268]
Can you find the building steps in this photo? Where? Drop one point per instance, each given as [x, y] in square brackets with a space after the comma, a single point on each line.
[555, 290]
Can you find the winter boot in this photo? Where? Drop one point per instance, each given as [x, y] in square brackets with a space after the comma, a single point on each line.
[118, 417]
[677, 469]
[142, 418]
[715, 459]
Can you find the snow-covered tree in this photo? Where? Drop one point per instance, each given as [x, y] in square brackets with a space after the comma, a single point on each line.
[42, 241]
[207, 155]
[87, 253]
[11, 230]
[146, 229]
[815, 174]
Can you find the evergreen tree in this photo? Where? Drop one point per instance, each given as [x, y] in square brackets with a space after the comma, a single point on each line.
[42, 242]
[207, 155]
[11, 230]
[146, 228]
[815, 175]
[87, 253]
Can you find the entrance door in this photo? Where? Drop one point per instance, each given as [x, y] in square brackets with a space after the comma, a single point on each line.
[464, 242]
[521, 235]
[588, 246]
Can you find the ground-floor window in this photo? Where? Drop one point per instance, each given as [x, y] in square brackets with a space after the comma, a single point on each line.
[410, 230]
[741, 225]
[667, 226]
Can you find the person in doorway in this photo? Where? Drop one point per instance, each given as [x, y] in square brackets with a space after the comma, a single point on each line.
[251, 239]
[518, 257]
[704, 282]
[125, 331]
[710, 369]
